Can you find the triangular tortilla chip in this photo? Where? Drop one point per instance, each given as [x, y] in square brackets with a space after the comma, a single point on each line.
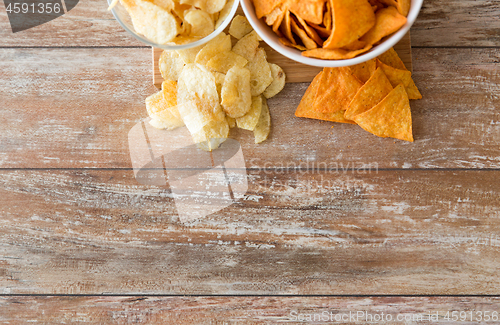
[306, 109]
[388, 21]
[334, 54]
[351, 20]
[403, 6]
[392, 59]
[397, 76]
[363, 71]
[337, 88]
[372, 93]
[390, 118]
[264, 7]
[308, 42]
[310, 10]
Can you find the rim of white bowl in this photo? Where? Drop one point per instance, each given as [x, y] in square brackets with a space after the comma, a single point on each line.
[183, 46]
[266, 33]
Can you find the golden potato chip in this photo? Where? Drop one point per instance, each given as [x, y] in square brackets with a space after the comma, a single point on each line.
[264, 7]
[219, 81]
[351, 20]
[221, 43]
[308, 42]
[224, 13]
[247, 45]
[212, 135]
[310, 10]
[170, 65]
[155, 23]
[334, 54]
[363, 71]
[310, 31]
[189, 55]
[240, 27]
[169, 91]
[336, 89]
[163, 114]
[224, 61]
[390, 118]
[260, 73]
[403, 6]
[197, 97]
[250, 120]
[278, 82]
[368, 96]
[263, 127]
[208, 6]
[235, 93]
[179, 9]
[231, 122]
[306, 107]
[388, 21]
[397, 76]
[165, 4]
[200, 22]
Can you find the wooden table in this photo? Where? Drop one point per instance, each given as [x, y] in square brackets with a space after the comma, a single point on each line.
[82, 241]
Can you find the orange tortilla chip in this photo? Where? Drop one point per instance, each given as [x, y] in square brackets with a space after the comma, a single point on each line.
[308, 42]
[372, 92]
[403, 6]
[286, 42]
[354, 46]
[334, 54]
[310, 31]
[388, 21]
[264, 7]
[322, 31]
[310, 10]
[389, 118]
[397, 76]
[351, 20]
[363, 71]
[328, 16]
[286, 27]
[392, 59]
[305, 108]
[337, 88]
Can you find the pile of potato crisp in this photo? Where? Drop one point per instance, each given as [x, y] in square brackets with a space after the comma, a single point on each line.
[333, 29]
[176, 21]
[374, 94]
[217, 86]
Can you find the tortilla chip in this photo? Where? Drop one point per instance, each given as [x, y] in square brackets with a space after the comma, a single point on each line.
[372, 92]
[337, 88]
[334, 54]
[308, 42]
[363, 71]
[390, 118]
[388, 21]
[397, 76]
[351, 20]
[286, 27]
[392, 59]
[310, 31]
[403, 6]
[305, 108]
[286, 42]
[310, 10]
[264, 7]
[321, 31]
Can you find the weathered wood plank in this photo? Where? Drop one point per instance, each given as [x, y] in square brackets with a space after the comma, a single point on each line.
[309, 232]
[73, 108]
[245, 310]
[469, 23]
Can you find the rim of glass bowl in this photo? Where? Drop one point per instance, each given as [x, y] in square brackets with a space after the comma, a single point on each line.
[174, 47]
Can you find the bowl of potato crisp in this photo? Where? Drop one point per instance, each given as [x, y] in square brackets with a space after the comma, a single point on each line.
[331, 33]
[174, 24]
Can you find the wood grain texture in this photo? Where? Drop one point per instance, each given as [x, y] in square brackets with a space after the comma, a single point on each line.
[307, 232]
[237, 310]
[73, 108]
[469, 23]
[295, 72]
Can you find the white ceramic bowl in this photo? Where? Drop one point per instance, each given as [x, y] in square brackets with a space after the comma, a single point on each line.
[267, 34]
[124, 19]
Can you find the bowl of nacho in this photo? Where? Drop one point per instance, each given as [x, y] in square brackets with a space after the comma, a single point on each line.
[331, 33]
[174, 24]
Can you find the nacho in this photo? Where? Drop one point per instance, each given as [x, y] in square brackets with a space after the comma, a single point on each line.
[388, 21]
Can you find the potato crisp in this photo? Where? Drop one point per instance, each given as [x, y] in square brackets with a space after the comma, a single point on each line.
[374, 94]
[333, 29]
